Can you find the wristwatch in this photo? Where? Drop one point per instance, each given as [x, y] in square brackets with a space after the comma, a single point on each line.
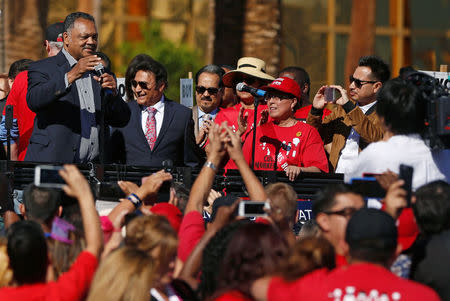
[211, 165]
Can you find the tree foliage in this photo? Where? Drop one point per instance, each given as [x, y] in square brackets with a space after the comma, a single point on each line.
[179, 59]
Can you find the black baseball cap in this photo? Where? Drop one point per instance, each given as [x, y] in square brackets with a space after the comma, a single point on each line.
[371, 228]
[225, 200]
[54, 32]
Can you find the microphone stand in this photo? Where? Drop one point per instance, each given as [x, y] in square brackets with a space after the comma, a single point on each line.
[255, 118]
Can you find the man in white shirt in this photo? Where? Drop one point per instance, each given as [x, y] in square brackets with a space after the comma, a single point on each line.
[402, 111]
[352, 124]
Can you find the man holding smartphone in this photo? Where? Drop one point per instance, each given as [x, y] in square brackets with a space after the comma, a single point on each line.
[353, 123]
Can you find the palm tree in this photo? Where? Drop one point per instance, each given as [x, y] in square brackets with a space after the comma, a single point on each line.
[23, 28]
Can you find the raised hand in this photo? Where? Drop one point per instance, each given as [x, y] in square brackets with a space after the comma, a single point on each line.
[82, 66]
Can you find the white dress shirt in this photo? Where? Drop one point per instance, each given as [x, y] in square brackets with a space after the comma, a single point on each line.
[351, 149]
[201, 116]
[411, 150]
[159, 115]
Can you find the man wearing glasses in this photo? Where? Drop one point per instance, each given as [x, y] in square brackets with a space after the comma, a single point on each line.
[208, 96]
[159, 128]
[332, 208]
[353, 123]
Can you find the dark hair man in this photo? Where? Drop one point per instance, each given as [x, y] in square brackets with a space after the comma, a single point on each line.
[159, 129]
[41, 205]
[332, 208]
[208, 96]
[302, 78]
[431, 265]
[401, 109]
[353, 123]
[66, 96]
[372, 238]
[23, 117]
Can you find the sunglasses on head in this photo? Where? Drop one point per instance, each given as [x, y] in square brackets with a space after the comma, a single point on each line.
[359, 83]
[211, 90]
[143, 85]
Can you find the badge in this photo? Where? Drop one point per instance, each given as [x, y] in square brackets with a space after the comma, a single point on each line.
[298, 134]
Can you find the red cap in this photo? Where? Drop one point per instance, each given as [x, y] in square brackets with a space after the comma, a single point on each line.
[285, 85]
[407, 228]
[172, 213]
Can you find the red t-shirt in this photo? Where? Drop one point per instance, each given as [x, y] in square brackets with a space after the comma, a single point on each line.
[302, 113]
[72, 285]
[232, 296]
[191, 231]
[298, 145]
[25, 117]
[231, 115]
[362, 281]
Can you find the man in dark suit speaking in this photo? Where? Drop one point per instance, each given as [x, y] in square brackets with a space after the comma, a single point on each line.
[159, 129]
[67, 97]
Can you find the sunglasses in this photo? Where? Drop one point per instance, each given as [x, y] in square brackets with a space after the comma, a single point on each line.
[211, 91]
[278, 96]
[359, 83]
[143, 85]
[346, 212]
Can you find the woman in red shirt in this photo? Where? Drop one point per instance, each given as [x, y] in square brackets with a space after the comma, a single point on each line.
[285, 143]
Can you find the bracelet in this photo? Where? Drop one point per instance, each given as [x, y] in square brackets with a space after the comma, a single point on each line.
[211, 165]
[133, 198]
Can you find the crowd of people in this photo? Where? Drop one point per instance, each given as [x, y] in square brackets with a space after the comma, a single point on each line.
[199, 245]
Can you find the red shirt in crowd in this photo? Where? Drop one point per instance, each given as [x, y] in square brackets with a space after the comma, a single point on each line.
[72, 285]
[302, 113]
[232, 296]
[25, 117]
[231, 115]
[298, 145]
[363, 281]
[191, 231]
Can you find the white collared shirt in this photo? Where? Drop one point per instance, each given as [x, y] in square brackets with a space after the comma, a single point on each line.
[202, 114]
[159, 116]
[411, 150]
[351, 149]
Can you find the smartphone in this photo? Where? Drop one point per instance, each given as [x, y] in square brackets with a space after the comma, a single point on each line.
[331, 94]
[108, 191]
[368, 187]
[48, 176]
[252, 208]
[406, 173]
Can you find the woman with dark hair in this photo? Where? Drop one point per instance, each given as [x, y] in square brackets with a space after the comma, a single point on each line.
[284, 143]
[255, 250]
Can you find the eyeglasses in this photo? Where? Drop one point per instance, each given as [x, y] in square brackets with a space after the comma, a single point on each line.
[143, 85]
[346, 212]
[211, 91]
[359, 83]
[278, 97]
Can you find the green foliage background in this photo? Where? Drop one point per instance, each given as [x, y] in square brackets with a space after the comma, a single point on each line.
[178, 59]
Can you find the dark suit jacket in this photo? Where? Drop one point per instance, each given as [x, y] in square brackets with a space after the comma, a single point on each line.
[57, 127]
[175, 140]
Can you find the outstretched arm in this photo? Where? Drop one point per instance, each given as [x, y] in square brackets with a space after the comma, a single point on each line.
[78, 187]
[233, 146]
[202, 185]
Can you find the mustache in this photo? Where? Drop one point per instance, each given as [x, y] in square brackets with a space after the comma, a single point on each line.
[206, 98]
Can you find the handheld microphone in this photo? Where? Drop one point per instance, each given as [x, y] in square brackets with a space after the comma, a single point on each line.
[255, 92]
[99, 70]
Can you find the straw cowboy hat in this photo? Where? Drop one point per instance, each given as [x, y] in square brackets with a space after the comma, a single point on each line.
[249, 66]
